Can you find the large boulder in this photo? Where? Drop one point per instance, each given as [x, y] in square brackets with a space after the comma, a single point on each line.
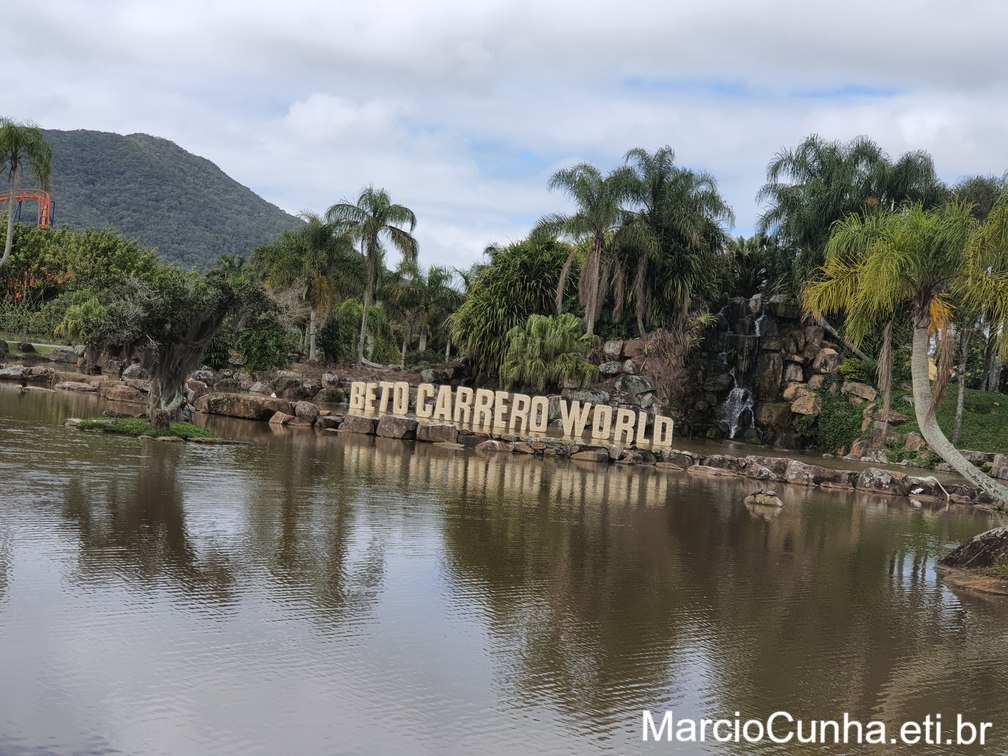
[358, 424]
[436, 374]
[78, 386]
[437, 433]
[613, 349]
[196, 389]
[135, 370]
[26, 347]
[633, 348]
[12, 373]
[591, 455]
[989, 549]
[247, 406]
[860, 390]
[330, 395]
[795, 391]
[609, 369]
[827, 361]
[776, 415]
[395, 426]
[807, 404]
[595, 396]
[793, 372]
[875, 480]
[4, 349]
[769, 372]
[635, 386]
[261, 387]
[306, 411]
[999, 467]
[120, 393]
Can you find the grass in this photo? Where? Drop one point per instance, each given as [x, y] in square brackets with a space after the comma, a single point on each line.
[997, 571]
[138, 426]
[13, 341]
[985, 417]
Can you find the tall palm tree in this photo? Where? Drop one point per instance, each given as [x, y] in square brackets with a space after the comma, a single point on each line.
[923, 262]
[669, 242]
[599, 206]
[820, 182]
[373, 218]
[21, 143]
[318, 260]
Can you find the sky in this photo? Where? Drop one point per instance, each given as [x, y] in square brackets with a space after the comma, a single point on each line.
[463, 110]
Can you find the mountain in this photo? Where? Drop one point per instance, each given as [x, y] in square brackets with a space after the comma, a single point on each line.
[152, 190]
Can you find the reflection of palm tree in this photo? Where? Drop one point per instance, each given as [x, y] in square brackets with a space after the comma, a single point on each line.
[302, 521]
[141, 528]
[599, 601]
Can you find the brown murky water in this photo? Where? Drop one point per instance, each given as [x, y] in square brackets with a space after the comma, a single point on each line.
[322, 593]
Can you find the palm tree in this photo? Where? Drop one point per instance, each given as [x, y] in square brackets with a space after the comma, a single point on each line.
[548, 351]
[669, 243]
[820, 182]
[922, 261]
[371, 219]
[599, 200]
[318, 260]
[20, 143]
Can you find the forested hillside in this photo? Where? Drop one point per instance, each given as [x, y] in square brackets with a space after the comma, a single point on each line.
[152, 190]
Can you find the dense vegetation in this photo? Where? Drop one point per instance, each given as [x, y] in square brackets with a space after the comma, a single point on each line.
[896, 265]
[151, 190]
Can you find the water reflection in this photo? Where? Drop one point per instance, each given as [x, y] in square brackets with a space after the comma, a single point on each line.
[480, 602]
[136, 528]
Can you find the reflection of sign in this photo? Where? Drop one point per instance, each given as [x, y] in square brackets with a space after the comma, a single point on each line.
[515, 413]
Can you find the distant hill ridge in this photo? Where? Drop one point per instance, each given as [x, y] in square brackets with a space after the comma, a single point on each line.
[152, 190]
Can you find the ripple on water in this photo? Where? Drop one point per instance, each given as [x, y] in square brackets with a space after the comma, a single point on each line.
[324, 593]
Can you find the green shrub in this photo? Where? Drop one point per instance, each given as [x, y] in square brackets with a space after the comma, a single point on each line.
[548, 351]
[853, 370]
[218, 351]
[837, 424]
[424, 359]
[264, 347]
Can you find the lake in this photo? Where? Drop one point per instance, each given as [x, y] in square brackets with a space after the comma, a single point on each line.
[311, 592]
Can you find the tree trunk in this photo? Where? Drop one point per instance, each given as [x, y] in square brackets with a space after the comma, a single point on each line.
[884, 369]
[447, 350]
[372, 254]
[312, 327]
[993, 363]
[964, 343]
[402, 357]
[844, 343]
[928, 422]
[423, 340]
[9, 243]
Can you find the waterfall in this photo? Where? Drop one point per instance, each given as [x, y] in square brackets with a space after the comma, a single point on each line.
[737, 411]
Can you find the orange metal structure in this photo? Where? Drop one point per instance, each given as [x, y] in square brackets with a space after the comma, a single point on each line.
[44, 200]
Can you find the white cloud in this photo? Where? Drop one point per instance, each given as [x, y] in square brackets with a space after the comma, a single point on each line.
[461, 110]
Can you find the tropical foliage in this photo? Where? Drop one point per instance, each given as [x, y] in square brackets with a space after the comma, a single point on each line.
[548, 351]
[925, 263]
[518, 281]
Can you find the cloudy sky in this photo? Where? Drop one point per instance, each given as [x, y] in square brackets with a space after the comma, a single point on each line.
[462, 110]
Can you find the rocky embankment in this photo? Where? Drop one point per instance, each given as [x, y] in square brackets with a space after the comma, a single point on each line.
[308, 415]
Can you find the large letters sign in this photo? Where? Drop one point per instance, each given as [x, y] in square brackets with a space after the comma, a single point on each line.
[514, 413]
